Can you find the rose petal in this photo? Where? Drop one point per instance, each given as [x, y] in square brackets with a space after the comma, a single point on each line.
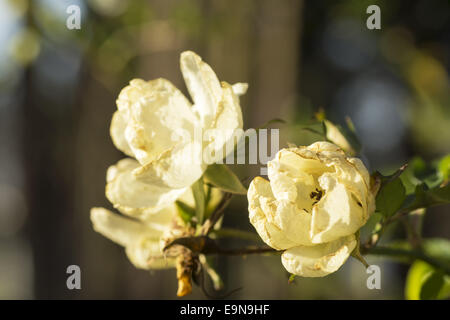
[130, 95]
[339, 212]
[127, 193]
[227, 127]
[295, 223]
[240, 88]
[319, 260]
[262, 207]
[159, 120]
[295, 160]
[117, 131]
[141, 241]
[147, 254]
[121, 230]
[176, 168]
[203, 86]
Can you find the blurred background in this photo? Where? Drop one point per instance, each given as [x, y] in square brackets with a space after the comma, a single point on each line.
[57, 95]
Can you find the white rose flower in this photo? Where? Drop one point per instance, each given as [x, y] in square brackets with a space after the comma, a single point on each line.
[315, 202]
[156, 124]
[140, 238]
[142, 229]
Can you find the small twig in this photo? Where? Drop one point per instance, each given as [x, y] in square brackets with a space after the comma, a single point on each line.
[206, 245]
[235, 233]
[243, 251]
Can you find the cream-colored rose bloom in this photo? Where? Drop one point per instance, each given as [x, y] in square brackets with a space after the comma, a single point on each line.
[140, 230]
[140, 238]
[157, 125]
[143, 231]
[315, 202]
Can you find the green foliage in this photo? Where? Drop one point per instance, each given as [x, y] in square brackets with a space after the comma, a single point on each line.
[198, 192]
[424, 197]
[419, 172]
[432, 285]
[291, 278]
[438, 248]
[390, 198]
[409, 176]
[220, 176]
[418, 186]
[425, 282]
[444, 167]
[185, 212]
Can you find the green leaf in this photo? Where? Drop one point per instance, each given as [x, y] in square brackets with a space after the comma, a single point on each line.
[425, 197]
[409, 177]
[220, 176]
[424, 282]
[199, 196]
[390, 198]
[417, 273]
[384, 180]
[185, 212]
[419, 172]
[444, 167]
[291, 278]
[432, 285]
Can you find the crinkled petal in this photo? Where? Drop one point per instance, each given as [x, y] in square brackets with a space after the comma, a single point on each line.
[160, 119]
[319, 260]
[203, 86]
[130, 95]
[117, 131]
[126, 192]
[359, 165]
[262, 207]
[147, 254]
[142, 242]
[295, 223]
[339, 213]
[123, 231]
[176, 168]
[324, 146]
[226, 129]
[240, 88]
[295, 160]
